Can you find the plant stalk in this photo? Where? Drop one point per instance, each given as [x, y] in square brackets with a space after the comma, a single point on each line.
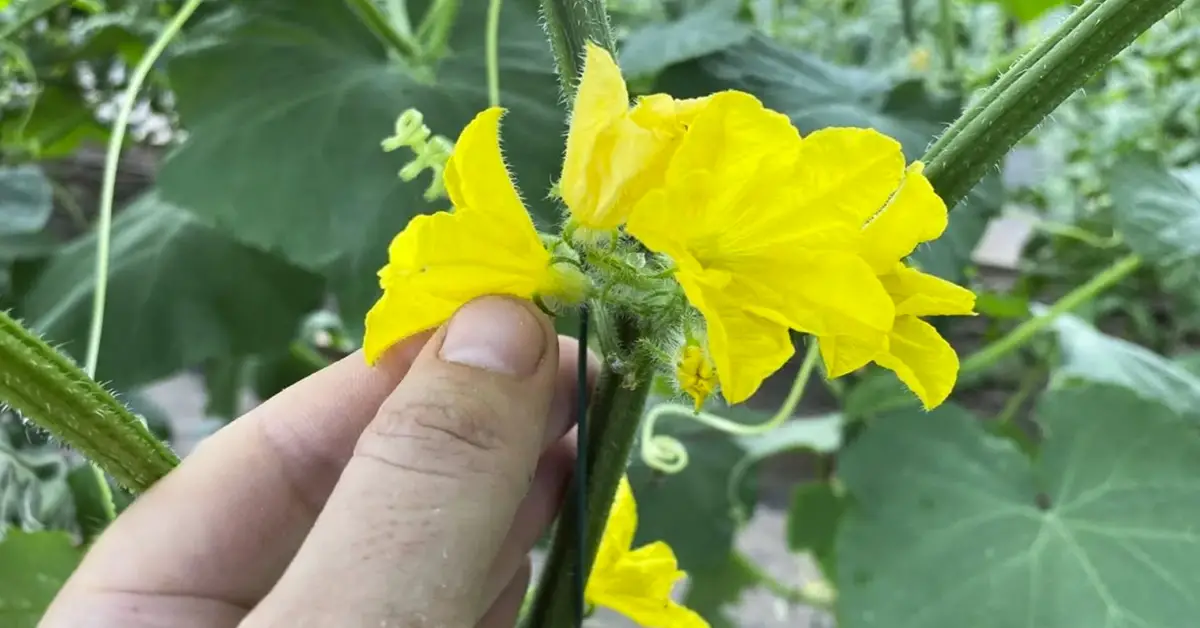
[614, 419]
[51, 392]
[570, 24]
[1034, 87]
[398, 40]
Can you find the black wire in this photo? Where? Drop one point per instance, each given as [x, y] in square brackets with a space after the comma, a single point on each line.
[581, 463]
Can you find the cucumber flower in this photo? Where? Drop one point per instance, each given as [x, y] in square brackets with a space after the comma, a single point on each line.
[914, 350]
[759, 227]
[615, 153]
[486, 245]
[636, 582]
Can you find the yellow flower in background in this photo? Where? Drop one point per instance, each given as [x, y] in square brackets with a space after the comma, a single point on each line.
[486, 245]
[761, 229]
[919, 356]
[636, 582]
[615, 154]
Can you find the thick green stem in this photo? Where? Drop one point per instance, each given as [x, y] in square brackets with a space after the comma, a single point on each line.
[1034, 87]
[614, 418]
[54, 394]
[570, 24]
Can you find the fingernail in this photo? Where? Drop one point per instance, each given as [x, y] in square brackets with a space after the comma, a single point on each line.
[495, 334]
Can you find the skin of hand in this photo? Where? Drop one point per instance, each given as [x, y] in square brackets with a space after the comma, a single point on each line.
[406, 494]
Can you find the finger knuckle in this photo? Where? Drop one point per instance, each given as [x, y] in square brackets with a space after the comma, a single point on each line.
[462, 431]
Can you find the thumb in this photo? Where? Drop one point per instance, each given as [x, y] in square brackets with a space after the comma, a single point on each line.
[412, 527]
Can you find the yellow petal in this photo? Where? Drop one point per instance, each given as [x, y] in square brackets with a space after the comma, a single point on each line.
[820, 292]
[442, 261]
[666, 114]
[746, 348]
[846, 354]
[729, 138]
[922, 359]
[476, 176]
[488, 245]
[915, 214]
[600, 103]
[848, 171]
[611, 159]
[619, 530]
[921, 294]
[640, 588]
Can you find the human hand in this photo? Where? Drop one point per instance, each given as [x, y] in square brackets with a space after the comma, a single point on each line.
[408, 494]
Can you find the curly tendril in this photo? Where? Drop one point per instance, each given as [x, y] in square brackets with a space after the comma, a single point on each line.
[668, 454]
[431, 152]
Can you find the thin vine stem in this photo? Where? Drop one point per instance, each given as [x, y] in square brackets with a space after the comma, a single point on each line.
[668, 455]
[820, 596]
[1024, 332]
[1034, 87]
[493, 52]
[109, 184]
[398, 40]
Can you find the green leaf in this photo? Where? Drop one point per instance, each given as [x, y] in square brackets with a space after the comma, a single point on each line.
[813, 521]
[286, 104]
[179, 293]
[949, 526]
[690, 510]
[223, 383]
[721, 587]
[1157, 213]
[1092, 356]
[878, 391]
[25, 200]
[60, 121]
[821, 434]
[33, 567]
[653, 47]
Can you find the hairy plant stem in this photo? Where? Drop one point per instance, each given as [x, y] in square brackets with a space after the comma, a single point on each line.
[55, 395]
[570, 24]
[613, 421]
[1034, 87]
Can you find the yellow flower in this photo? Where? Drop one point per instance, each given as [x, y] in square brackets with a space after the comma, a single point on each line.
[696, 374]
[919, 356]
[615, 154]
[486, 245]
[636, 582]
[759, 225]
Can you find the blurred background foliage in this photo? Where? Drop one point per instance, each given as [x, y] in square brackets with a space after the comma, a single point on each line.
[255, 205]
